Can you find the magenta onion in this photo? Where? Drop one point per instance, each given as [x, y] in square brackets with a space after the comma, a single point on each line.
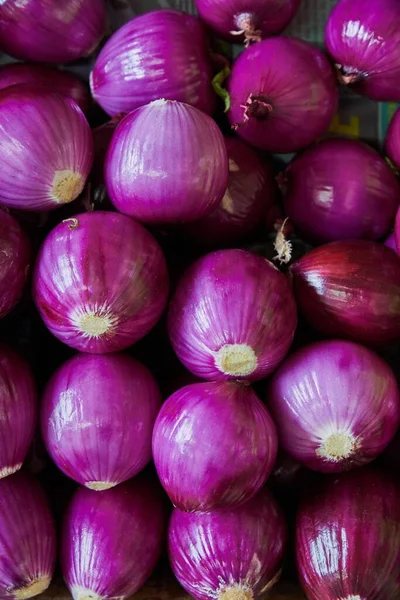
[46, 148]
[347, 538]
[231, 554]
[161, 54]
[336, 405]
[50, 31]
[112, 540]
[390, 242]
[100, 282]
[154, 185]
[341, 189]
[97, 418]
[214, 445]
[363, 40]
[350, 289]
[283, 94]
[233, 316]
[392, 142]
[15, 258]
[27, 538]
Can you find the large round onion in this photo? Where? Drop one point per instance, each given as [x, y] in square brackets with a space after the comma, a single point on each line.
[392, 142]
[154, 185]
[100, 282]
[15, 257]
[162, 54]
[214, 445]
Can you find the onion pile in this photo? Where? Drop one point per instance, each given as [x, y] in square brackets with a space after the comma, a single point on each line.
[15, 258]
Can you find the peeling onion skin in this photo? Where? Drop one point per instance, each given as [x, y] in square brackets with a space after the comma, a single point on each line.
[232, 316]
[100, 282]
[15, 260]
[392, 142]
[348, 538]
[231, 553]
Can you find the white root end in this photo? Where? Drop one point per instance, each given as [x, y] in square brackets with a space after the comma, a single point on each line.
[282, 246]
[235, 593]
[99, 486]
[80, 593]
[351, 598]
[6, 471]
[94, 323]
[337, 447]
[238, 360]
[66, 186]
[33, 589]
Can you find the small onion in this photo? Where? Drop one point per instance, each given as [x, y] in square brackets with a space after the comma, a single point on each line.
[231, 554]
[214, 445]
[336, 405]
[100, 282]
[27, 538]
[283, 94]
[15, 258]
[155, 185]
[392, 142]
[350, 289]
[233, 316]
[161, 54]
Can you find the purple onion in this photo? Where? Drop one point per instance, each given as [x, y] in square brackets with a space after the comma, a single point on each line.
[228, 555]
[283, 94]
[392, 142]
[214, 445]
[161, 54]
[15, 258]
[100, 282]
[390, 242]
[233, 316]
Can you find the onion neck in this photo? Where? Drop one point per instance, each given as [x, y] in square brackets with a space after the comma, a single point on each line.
[237, 360]
[338, 446]
[256, 107]
[36, 587]
[348, 75]
[235, 593]
[246, 24]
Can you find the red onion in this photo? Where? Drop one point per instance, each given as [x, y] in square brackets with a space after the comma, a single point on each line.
[112, 540]
[336, 405]
[161, 54]
[27, 538]
[214, 445]
[392, 142]
[15, 258]
[363, 40]
[350, 289]
[283, 94]
[50, 31]
[46, 146]
[100, 282]
[341, 189]
[233, 316]
[348, 542]
[228, 555]
[390, 242]
[152, 185]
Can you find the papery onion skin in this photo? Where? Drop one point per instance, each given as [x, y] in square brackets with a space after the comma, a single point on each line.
[214, 445]
[363, 39]
[341, 189]
[232, 316]
[100, 282]
[392, 141]
[231, 553]
[27, 538]
[67, 31]
[15, 259]
[350, 289]
[117, 399]
[283, 94]
[348, 538]
[161, 54]
[153, 185]
[112, 540]
[46, 149]
[336, 405]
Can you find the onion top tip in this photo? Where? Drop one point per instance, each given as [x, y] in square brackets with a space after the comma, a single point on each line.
[36, 587]
[236, 360]
[67, 185]
[235, 593]
[94, 323]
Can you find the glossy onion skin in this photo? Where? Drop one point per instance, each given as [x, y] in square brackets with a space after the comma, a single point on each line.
[363, 39]
[334, 387]
[367, 275]
[117, 399]
[239, 548]
[347, 538]
[68, 30]
[15, 259]
[27, 537]
[214, 445]
[231, 297]
[296, 80]
[161, 54]
[341, 189]
[112, 540]
[102, 264]
[392, 142]
[153, 185]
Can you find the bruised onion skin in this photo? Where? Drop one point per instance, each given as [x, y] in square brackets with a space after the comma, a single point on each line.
[283, 94]
[228, 554]
[27, 538]
[161, 54]
[15, 259]
[347, 538]
[336, 405]
[350, 289]
[392, 142]
[100, 282]
[214, 445]
[233, 316]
